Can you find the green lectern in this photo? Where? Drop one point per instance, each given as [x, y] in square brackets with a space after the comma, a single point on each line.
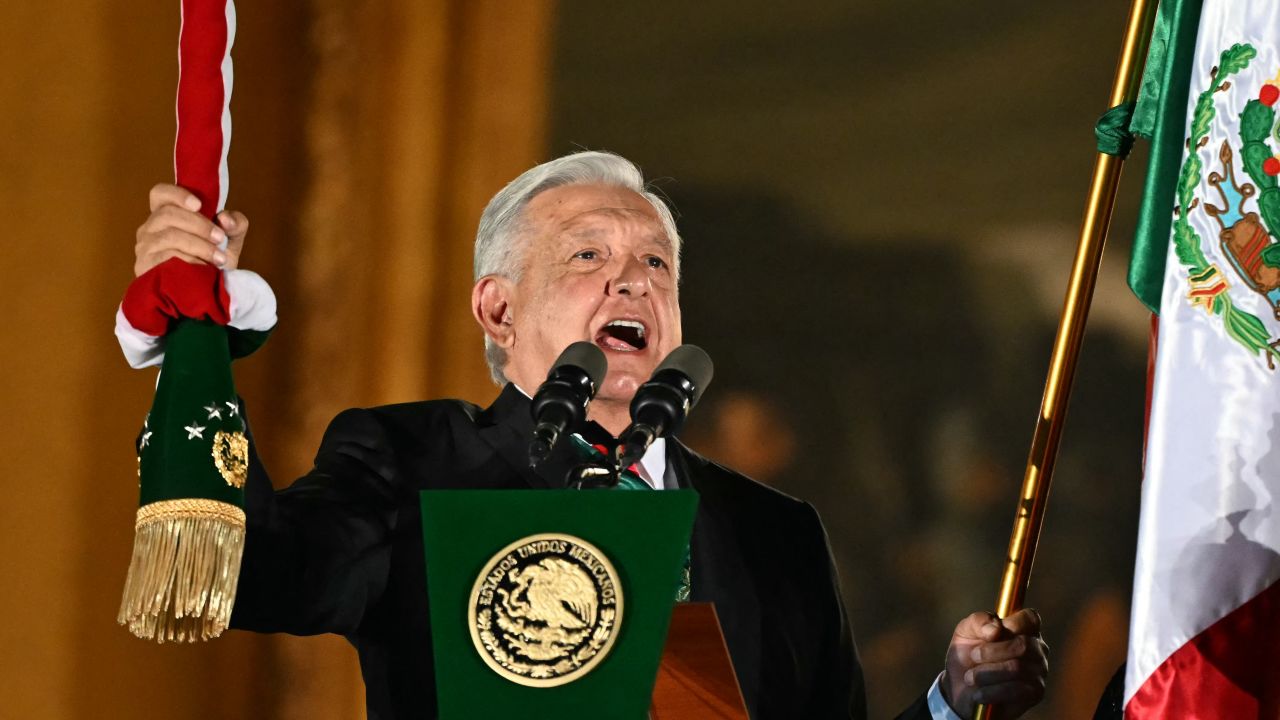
[553, 603]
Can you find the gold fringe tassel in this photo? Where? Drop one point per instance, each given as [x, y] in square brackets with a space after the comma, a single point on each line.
[186, 563]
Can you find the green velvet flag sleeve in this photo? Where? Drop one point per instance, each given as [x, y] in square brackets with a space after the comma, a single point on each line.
[192, 466]
[1161, 115]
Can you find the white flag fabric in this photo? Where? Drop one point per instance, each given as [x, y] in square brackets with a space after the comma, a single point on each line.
[1205, 625]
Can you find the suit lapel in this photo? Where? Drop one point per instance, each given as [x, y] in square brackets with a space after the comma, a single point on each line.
[507, 427]
[719, 571]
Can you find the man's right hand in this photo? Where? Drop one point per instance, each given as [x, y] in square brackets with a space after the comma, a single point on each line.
[164, 291]
[994, 661]
[176, 228]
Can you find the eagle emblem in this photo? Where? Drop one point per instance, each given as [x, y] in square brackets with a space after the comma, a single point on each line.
[231, 457]
[545, 610]
[1246, 210]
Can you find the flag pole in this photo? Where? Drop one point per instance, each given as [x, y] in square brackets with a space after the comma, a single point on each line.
[1066, 346]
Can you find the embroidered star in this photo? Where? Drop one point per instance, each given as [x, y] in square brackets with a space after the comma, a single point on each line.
[146, 438]
[214, 412]
[194, 431]
[235, 409]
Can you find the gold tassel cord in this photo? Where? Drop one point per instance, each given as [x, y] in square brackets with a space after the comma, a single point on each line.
[182, 578]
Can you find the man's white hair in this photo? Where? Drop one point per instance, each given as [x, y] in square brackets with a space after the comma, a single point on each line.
[500, 238]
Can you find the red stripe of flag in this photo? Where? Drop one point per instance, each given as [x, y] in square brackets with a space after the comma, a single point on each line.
[1231, 671]
[202, 95]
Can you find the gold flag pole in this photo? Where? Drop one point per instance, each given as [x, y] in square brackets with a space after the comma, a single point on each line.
[1066, 345]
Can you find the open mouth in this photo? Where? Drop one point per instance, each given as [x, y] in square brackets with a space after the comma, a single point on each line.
[623, 336]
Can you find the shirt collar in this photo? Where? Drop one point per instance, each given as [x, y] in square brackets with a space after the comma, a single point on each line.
[654, 463]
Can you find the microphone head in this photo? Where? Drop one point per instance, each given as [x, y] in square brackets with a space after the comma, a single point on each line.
[561, 401]
[586, 356]
[693, 362]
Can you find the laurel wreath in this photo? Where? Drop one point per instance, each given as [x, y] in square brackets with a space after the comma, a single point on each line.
[231, 457]
[1256, 122]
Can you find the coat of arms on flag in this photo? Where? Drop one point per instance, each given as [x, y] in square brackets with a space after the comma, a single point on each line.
[1205, 623]
[1245, 209]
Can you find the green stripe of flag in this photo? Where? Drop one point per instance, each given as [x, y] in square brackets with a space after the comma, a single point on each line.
[1161, 116]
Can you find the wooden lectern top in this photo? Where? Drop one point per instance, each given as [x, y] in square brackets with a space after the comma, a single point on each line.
[696, 679]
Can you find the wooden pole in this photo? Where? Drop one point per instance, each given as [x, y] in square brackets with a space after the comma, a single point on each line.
[1066, 347]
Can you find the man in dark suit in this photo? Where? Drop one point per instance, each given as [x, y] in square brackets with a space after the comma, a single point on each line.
[574, 249]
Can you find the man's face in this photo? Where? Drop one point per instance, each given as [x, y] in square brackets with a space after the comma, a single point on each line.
[598, 266]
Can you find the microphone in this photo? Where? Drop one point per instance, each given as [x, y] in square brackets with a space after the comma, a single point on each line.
[562, 400]
[661, 404]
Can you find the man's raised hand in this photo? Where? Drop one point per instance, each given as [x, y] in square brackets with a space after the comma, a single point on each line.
[996, 662]
[176, 228]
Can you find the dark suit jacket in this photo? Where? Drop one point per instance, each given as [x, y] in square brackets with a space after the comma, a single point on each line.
[340, 551]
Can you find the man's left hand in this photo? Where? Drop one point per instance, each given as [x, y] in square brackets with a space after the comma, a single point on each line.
[996, 662]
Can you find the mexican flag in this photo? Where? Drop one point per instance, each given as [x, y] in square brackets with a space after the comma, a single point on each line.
[1205, 629]
[193, 319]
